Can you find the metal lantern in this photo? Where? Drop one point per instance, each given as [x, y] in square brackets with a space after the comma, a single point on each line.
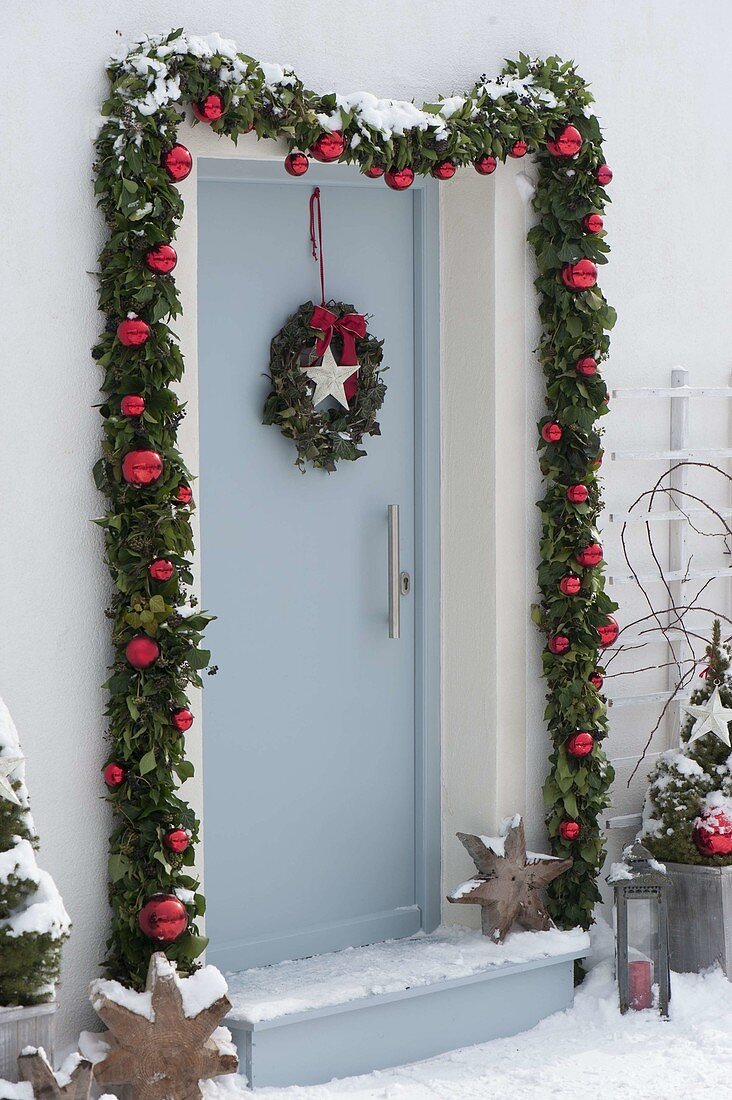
[641, 914]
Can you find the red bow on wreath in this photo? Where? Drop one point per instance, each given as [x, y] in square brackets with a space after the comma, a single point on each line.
[350, 327]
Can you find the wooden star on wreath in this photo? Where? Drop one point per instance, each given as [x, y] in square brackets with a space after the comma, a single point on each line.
[165, 1054]
[508, 884]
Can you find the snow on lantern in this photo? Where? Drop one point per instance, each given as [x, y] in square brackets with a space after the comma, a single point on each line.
[640, 885]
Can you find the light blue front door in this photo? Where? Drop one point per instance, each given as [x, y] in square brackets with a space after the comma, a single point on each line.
[312, 799]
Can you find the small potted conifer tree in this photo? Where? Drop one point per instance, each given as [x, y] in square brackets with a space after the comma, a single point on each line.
[33, 920]
[687, 821]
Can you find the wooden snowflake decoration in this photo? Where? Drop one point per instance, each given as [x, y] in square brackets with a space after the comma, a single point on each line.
[508, 886]
[47, 1085]
[164, 1053]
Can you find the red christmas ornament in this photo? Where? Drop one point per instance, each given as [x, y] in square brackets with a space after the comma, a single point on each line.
[580, 743]
[590, 556]
[593, 223]
[713, 832]
[445, 170]
[558, 644]
[577, 494]
[399, 179]
[570, 585]
[552, 432]
[142, 651]
[161, 569]
[604, 174]
[608, 632]
[132, 405]
[183, 494]
[485, 165]
[567, 143]
[133, 332]
[328, 147]
[177, 840]
[597, 681]
[569, 830]
[518, 149]
[296, 164]
[141, 467]
[114, 776]
[586, 366]
[182, 719]
[375, 172]
[209, 109]
[163, 918]
[178, 162]
[161, 259]
[579, 276]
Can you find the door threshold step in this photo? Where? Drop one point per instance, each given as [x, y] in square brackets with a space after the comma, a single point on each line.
[350, 1012]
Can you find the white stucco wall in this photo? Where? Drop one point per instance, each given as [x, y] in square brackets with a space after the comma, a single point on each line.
[658, 72]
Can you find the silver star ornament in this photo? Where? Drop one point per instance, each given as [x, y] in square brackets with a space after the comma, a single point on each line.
[329, 377]
[711, 717]
[8, 764]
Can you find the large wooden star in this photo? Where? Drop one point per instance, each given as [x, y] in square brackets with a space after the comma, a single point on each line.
[508, 886]
[163, 1057]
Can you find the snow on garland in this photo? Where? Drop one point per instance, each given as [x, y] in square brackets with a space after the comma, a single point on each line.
[148, 525]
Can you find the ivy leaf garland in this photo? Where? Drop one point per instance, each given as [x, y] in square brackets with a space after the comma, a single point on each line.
[149, 82]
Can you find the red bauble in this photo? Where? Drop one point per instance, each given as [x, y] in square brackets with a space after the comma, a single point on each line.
[133, 332]
[141, 467]
[328, 147]
[178, 162]
[399, 179]
[590, 556]
[114, 776]
[161, 259]
[141, 651]
[209, 109]
[518, 149]
[552, 432]
[132, 405]
[375, 172]
[586, 366]
[296, 164]
[558, 644]
[570, 585]
[713, 832]
[579, 276]
[177, 840]
[603, 175]
[161, 569]
[182, 719]
[183, 494]
[485, 165]
[580, 743]
[593, 223]
[445, 170]
[567, 143]
[608, 632]
[569, 830]
[163, 918]
[577, 494]
[597, 681]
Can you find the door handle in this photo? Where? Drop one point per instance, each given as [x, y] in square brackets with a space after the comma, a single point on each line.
[394, 579]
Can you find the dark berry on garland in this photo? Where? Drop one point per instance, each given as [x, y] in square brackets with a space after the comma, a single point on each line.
[141, 467]
[586, 366]
[114, 776]
[597, 681]
[182, 719]
[608, 632]
[209, 109]
[570, 585]
[581, 743]
[163, 918]
[132, 404]
[577, 494]
[183, 494]
[296, 164]
[518, 149]
[713, 832]
[590, 556]
[579, 276]
[604, 174]
[177, 840]
[558, 644]
[593, 223]
[142, 652]
[161, 569]
[567, 143]
[328, 147]
[375, 172]
[178, 162]
[552, 432]
[161, 259]
[399, 179]
[133, 332]
[445, 170]
[485, 165]
[569, 830]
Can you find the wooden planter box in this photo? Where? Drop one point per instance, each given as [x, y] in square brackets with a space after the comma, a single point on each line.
[32, 1026]
[700, 917]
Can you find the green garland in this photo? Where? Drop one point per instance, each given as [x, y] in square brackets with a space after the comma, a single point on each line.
[150, 82]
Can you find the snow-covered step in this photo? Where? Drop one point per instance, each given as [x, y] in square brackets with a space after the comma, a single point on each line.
[365, 1008]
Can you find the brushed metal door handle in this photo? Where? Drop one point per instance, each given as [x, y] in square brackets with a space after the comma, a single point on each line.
[394, 578]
